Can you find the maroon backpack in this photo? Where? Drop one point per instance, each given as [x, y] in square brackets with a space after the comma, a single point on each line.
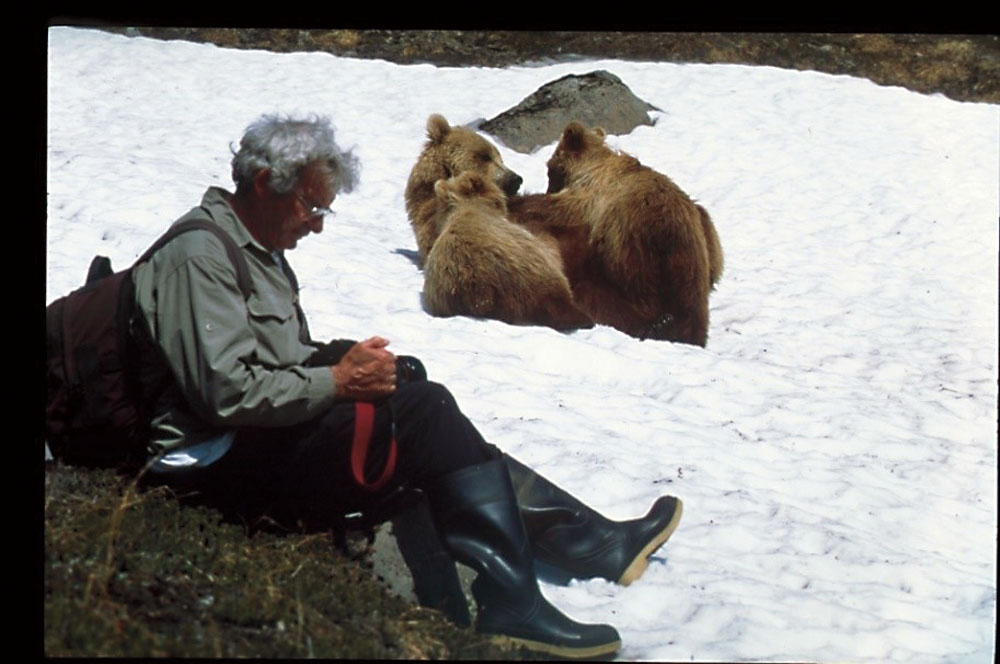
[101, 365]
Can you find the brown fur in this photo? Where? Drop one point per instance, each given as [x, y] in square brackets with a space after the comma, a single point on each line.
[483, 265]
[449, 151]
[652, 255]
[558, 221]
[715, 260]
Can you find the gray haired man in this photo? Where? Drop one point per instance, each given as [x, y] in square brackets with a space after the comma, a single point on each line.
[261, 420]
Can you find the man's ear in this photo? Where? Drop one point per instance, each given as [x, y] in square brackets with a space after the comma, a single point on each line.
[262, 182]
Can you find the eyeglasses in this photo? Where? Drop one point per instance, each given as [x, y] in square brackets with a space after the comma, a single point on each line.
[313, 210]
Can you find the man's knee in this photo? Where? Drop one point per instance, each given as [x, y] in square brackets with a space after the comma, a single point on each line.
[438, 437]
[425, 395]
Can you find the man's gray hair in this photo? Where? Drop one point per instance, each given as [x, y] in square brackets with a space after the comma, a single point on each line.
[283, 145]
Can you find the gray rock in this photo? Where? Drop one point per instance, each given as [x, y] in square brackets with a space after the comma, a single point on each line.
[597, 99]
[389, 568]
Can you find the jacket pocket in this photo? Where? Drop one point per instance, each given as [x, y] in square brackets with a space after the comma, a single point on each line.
[276, 328]
[264, 308]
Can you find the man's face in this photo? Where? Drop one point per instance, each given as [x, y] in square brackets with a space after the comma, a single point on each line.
[289, 218]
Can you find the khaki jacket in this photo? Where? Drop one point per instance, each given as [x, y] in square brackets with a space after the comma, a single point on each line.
[236, 363]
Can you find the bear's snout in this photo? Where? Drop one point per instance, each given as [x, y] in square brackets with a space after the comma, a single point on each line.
[509, 182]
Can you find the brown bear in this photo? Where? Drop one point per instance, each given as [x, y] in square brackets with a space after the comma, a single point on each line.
[483, 265]
[640, 254]
[449, 151]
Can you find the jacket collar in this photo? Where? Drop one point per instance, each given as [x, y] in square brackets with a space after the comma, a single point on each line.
[216, 202]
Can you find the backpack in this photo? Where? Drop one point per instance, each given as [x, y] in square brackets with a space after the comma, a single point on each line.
[101, 362]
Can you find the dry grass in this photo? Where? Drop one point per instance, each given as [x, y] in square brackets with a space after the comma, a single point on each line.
[132, 573]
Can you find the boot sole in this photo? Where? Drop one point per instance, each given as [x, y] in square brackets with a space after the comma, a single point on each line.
[641, 562]
[565, 652]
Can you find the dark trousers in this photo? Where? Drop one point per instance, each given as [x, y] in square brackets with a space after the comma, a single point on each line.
[301, 475]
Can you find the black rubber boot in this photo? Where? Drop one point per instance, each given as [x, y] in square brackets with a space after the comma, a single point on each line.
[573, 541]
[479, 522]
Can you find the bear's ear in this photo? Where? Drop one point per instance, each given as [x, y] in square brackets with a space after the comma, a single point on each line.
[441, 188]
[599, 131]
[437, 128]
[574, 137]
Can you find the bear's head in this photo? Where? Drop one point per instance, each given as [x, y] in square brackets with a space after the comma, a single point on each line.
[470, 188]
[577, 149]
[452, 151]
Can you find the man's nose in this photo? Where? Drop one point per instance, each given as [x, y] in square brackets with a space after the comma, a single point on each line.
[316, 224]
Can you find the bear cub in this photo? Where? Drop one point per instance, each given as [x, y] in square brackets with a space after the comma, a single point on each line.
[481, 264]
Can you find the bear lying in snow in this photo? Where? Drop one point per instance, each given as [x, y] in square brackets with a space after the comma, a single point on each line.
[481, 264]
[640, 254]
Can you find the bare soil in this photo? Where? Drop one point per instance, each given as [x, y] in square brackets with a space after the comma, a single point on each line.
[962, 67]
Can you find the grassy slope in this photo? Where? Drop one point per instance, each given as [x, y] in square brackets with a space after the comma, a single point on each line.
[136, 574]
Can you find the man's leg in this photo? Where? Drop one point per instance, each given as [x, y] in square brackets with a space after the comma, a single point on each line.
[476, 516]
[304, 473]
[432, 437]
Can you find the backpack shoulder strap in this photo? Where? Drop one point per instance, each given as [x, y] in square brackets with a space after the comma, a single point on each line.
[232, 249]
[287, 269]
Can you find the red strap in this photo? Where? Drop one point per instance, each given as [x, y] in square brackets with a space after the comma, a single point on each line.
[364, 423]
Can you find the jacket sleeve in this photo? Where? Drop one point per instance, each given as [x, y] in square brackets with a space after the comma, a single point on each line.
[210, 335]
